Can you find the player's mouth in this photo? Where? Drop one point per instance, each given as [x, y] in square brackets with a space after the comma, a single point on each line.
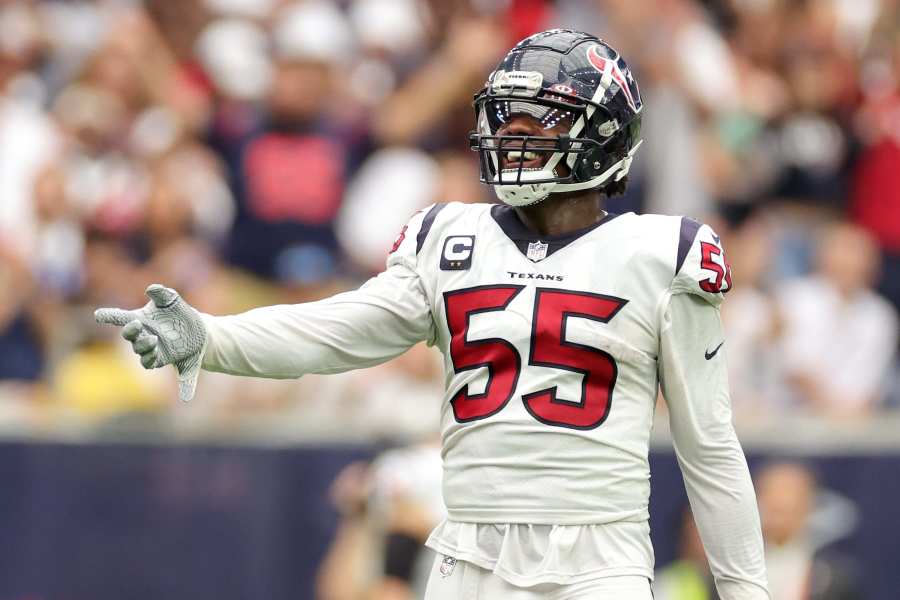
[516, 159]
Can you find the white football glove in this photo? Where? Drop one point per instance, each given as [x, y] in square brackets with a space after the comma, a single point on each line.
[167, 331]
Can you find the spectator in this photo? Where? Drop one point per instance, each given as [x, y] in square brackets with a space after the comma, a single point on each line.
[424, 109]
[290, 175]
[387, 510]
[21, 351]
[28, 136]
[56, 254]
[797, 566]
[366, 229]
[839, 336]
[106, 184]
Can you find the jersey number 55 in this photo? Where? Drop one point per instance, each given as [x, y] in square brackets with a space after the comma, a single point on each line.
[552, 309]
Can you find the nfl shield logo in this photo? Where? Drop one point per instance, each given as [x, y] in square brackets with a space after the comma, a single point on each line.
[537, 251]
[447, 566]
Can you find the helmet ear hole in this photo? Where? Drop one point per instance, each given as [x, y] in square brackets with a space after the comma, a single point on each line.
[614, 149]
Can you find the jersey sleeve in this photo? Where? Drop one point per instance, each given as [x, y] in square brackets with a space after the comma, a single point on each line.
[382, 319]
[701, 267]
[694, 382]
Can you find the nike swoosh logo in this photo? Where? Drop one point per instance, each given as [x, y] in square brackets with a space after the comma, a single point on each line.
[709, 355]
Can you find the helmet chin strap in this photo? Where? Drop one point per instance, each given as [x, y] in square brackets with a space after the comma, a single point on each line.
[527, 194]
[523, 195]
[626, 162]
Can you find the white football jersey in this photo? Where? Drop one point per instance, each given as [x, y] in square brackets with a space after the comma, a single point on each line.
[554, 350]
[550, 349]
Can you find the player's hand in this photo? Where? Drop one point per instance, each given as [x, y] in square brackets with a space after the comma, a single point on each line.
[167, 331]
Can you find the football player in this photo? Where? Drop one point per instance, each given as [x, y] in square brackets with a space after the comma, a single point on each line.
[558, 323]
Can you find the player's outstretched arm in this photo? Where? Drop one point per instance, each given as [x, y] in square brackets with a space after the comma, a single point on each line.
[695, 384]
[357, 329]
[166, 331]
[361, 328]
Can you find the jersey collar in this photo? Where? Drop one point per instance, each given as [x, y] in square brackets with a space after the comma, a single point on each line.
[522, 236]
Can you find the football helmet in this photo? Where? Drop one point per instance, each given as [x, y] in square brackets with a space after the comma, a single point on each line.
[565, 81]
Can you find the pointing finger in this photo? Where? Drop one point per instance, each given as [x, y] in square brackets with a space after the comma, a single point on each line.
[114, 316]
[162, 296]
[132, 330]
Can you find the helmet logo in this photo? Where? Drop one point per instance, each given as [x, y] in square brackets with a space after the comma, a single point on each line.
[562, 89]
[611, 72]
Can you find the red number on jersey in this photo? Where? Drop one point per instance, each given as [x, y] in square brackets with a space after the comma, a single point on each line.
[722, 271]
[498, 355]
[549, 348]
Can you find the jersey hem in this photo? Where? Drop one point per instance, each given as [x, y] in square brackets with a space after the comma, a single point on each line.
[554, 577]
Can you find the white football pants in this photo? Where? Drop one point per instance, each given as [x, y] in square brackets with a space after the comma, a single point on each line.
[466, 581]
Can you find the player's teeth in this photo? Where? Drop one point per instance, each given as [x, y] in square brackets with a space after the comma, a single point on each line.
[516, 155]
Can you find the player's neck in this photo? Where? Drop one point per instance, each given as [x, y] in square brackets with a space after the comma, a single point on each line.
[562, 213]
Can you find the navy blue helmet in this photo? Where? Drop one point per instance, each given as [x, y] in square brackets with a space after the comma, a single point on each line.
[584, 108]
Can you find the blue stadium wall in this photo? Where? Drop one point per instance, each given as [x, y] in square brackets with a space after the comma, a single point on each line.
[147, 522]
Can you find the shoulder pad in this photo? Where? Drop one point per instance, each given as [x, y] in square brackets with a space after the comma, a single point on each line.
[701, 267]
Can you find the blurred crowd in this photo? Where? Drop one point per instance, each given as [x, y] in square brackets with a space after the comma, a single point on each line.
[250, 152]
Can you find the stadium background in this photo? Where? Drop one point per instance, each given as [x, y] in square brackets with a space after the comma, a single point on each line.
[250, 152]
